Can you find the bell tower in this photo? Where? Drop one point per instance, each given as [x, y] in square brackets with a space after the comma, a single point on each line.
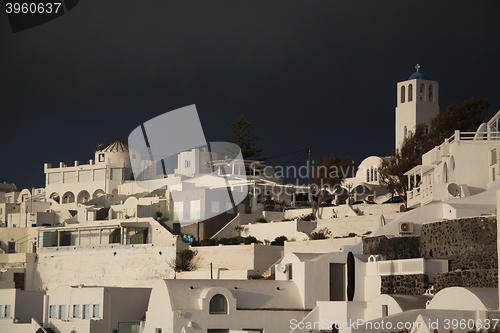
[417, 102]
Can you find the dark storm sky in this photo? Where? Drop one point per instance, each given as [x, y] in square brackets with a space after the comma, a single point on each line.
[320, 73]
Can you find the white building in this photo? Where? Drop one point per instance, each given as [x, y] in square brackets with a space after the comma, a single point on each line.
[95, 309]
[67, 186]
[463, 165]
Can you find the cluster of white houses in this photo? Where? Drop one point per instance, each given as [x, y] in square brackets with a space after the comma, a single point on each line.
[94, 251]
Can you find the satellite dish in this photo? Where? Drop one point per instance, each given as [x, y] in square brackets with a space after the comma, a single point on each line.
[282, 268]
[454, 189]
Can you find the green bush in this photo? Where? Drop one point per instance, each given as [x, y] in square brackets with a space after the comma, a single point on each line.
[279, 240]
[229, 241]
[262, 220]
[249, 240]
[309, 217]
[321, 234]
[208, 242]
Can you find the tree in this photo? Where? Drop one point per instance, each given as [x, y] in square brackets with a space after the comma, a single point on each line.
[185, 261]
[328, 175]
[464, 117]
[391, 172]
[242, 135]
[332, 171]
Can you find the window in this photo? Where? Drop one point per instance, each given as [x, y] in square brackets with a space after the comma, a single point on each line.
[410, 92]
[431, 93]
[62, 312]
[405, 131]
[217, 330]
[95, 312]
[188, 164]
[493, 157]
[422, 89]
[218, 305]
[101, 157]
[7, 311]
[290, 272]
[12, 246]
[158, 330]
[385, 310]
[76, 311]
[52, 311]
[403, 92]
[86, 311]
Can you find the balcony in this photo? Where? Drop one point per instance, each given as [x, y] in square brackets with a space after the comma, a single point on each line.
[423, 195]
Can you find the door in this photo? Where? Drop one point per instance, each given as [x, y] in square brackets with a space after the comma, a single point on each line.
[337, 282]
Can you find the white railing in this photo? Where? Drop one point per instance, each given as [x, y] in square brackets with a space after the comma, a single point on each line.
[469, 136]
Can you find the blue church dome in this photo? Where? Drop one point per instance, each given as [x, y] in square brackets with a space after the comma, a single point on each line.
[417, 75]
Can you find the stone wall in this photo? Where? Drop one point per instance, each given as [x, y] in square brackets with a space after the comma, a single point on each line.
[485, 278]
[468, 243]
[413, 284]
[392, 248]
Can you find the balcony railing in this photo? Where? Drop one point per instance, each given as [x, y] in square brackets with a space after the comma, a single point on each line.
[470, 136]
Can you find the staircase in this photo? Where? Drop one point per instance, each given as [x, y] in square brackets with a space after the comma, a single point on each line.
[270, 270]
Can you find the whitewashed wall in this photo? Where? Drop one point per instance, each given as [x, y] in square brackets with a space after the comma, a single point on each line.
[109, 265]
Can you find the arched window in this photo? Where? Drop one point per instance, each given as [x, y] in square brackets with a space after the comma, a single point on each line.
[218, 305]
[403, 92]
[431, 94]
[376, 173]
[54, 196]
[98, 193]
[68, 197]
[83, 196]
[405, 133]
[422, 90]
[410, 92]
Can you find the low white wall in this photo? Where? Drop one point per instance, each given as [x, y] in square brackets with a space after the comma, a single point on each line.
[273, 216]
[340, 227]
[255, 257]
[269, 231]
[217, 274]
[320, 245]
